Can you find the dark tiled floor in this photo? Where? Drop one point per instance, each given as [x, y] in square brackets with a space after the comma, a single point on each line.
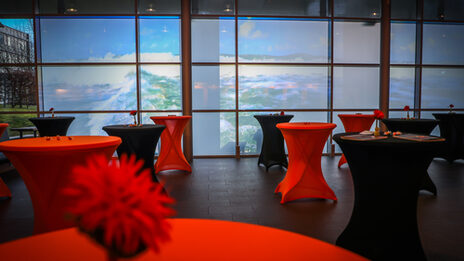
[240, 190]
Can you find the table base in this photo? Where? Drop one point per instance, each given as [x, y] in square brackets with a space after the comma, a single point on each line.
[271, 163]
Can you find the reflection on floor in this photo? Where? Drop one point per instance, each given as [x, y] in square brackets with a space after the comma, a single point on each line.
[239, 190]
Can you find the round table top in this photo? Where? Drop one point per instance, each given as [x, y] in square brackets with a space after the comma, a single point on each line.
[356, 116]
[127, 128]
[272, 115]
[52, 118]
[192, 239]
[59, 143]
[306, 125]
[390, 141]
[170, 117]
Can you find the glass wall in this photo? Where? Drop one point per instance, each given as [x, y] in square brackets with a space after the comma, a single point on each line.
[314, 59]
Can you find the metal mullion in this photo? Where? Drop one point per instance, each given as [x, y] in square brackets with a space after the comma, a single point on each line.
[36, 74]
[419, 48]
[237, 122]
[212, 63]
[207, 16]
[331, 73]
[137, 65]
[85, 64]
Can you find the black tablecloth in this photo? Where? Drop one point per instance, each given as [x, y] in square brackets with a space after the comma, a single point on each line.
[387, 175]
[140, 140]
[272, 151]
[417, 126]
[452, 129]
[52, 126]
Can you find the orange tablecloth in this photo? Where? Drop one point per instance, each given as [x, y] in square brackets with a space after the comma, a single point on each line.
[45, 165]
[192, 239]
[171, 155]
[4, 190]
[355, 123]
[305, 143]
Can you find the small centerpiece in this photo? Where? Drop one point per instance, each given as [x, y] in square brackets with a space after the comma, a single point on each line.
[406, 109]
[134, 114]
[52, 110]
[451, 106]
[119, 206]
[378, 115]
[282, 113]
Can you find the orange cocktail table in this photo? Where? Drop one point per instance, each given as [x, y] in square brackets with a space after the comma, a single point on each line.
[45, 165]
[305, 143]
[171, 155]
[355, 123]
[191, 239]
[4, 190]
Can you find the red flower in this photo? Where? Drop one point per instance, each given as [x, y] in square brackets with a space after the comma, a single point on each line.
[378, 114]
[133, 113]
[406, 108]
[51, 109]
[119, 205]
[282, 113]
[451, 106]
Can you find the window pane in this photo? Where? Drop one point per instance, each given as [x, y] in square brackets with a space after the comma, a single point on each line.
[159, 39]
[357, 8]
[402, 81]
[282, 87]
[443, 44]
[87, 40]
[90, 88]
[86, 6]
[403, 43]
[16, 7]
[443, 10]
[442, 87]
[17, 89]
[17, 121]
[16, 41]
[161, 87]
[284, 7]
[403, 9]
[356, 42]
[214, 133]
[213, 40]
[159, 6]
[213, 87]
[213, 7]
[356, 88]
[282, 40]
[92, 123]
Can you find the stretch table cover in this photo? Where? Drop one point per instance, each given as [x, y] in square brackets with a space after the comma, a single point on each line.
[417, 126]
[45, 165]
[355, 123]
[387, 175]
[452, 129]
[171, 155]
[305, 143]
[138, 140]
[191, 239]
[272, 150]
[52, 126]
[4, 190]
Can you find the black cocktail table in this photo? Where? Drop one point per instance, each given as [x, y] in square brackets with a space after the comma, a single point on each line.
[387, 175]
[452, 129]
[417, 126]
[272, 150]
[139, 140]
[52, 126]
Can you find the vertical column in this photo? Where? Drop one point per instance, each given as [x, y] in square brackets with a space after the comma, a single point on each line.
[385, 58]
[418, 70]
[187, 77]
